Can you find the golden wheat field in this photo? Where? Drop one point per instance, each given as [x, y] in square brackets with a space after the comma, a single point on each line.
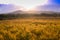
[30, 29]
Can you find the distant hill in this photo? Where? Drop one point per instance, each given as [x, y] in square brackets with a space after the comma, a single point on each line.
[21, 14]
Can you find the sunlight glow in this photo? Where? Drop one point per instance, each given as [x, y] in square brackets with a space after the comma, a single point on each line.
[31, 5]
[27, 4]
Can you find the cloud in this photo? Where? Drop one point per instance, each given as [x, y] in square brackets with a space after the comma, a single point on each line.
[54, 8]
[52, 5]
[4, 8]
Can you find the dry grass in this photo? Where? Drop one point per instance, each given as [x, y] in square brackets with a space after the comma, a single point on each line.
[30, 29]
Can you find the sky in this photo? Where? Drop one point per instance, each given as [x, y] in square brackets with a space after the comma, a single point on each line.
[52, 5]
[8, 5]
[6, 8]
[56, 2]
[24, 3]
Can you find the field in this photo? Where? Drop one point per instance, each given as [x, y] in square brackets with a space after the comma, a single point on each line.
[30, 29]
